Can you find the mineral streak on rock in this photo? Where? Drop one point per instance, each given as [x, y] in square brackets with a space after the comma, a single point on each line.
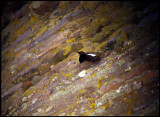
[41, 73]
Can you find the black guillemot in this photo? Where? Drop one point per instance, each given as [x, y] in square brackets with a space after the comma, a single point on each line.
[88, 57]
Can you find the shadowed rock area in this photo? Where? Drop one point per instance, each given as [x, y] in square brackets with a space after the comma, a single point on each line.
[40, 69]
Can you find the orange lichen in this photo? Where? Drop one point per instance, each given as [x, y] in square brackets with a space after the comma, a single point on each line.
[62, 89]
[92, 105]
[128, 113]
[106, 105]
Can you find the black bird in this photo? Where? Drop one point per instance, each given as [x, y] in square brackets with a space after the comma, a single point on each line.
[88, 57]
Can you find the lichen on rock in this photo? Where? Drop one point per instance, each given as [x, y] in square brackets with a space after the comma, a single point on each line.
[41, 72]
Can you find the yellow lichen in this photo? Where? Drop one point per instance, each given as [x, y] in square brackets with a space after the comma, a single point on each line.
[107, 105]
[28, 41]
[67, 50]
[45, 87]
[84, 40]
[20, 67]
[100, 82]
[72, 34]
[109, 58]
[66, 75]
[37, 62]
[93, 74]
[33, 20]
[81, 79]
[88, 112]
[92, 105]
[41, 31]
[117, 32]
[40, 92]
[53, 51]
[7, 54]
[70, 110]
[29, 91]
[114, 92]
[109, 65]
[21, 29]
[71, 40]
[62, 90]
[91, 29]
[100, 45]
[102, 19]
[82, 91]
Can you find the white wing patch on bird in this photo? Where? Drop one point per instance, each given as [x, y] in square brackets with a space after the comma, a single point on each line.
[91, 55]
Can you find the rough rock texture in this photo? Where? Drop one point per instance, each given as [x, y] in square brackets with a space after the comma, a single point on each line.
[40, 69]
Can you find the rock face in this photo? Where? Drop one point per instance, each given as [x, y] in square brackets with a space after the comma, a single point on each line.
[40, 69]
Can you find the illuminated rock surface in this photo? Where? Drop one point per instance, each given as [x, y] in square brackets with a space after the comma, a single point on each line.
[40, 69]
